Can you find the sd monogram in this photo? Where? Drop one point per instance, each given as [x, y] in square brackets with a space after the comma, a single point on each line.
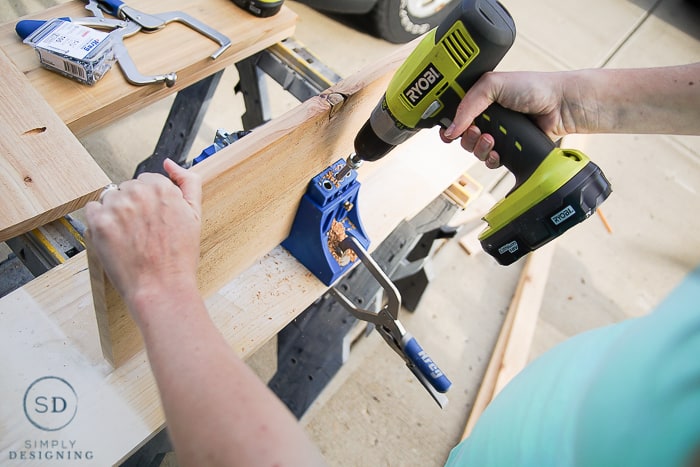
[50, 403]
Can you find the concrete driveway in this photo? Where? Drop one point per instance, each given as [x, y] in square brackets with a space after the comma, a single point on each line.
[374, 412]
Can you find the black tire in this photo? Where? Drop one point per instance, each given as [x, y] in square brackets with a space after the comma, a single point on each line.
[395, 22]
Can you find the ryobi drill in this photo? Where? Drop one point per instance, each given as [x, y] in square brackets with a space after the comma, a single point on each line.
[555, 188]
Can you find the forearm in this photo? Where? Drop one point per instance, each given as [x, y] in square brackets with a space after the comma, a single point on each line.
[662, 100]
[217, 410]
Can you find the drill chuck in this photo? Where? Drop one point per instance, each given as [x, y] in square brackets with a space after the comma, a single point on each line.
[380, 134]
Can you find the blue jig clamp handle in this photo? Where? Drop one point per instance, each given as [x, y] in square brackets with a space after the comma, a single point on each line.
[111, 6]
[26, 27]
[425, 365]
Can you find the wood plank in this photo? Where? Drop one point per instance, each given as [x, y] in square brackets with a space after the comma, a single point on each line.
[511, 351]
[256, 184]
[464, 190]
[45, 172]
[527, 304]
[174, 48]
[49, 325]
[470, 241]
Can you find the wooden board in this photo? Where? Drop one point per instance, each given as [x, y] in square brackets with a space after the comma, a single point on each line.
[45, 172]
[253, 187]
[512, 348]
[526, 304]
[49, 325]
[174, 48]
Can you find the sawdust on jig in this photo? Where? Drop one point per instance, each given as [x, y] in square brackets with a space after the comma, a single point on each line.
[337, 234]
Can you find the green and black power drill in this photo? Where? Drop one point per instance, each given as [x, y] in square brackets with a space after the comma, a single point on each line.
[555, 188]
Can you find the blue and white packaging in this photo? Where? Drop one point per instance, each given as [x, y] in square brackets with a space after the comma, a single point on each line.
[78, 52]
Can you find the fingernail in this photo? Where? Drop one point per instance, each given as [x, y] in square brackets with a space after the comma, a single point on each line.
[482, 146]
[450, 130]
[492, 161]
[471, 137]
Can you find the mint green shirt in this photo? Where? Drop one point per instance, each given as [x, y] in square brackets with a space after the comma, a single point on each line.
[623, 395]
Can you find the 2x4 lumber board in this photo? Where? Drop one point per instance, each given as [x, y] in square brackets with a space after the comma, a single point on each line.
[174, 48]
[252, 189]
[512, 348]
[49, 326]
[45, 172]
[527, 302]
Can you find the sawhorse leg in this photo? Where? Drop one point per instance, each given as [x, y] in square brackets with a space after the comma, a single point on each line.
[288, 63]
[180, 129]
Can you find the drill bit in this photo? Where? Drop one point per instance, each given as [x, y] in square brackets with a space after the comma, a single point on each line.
[353, 162]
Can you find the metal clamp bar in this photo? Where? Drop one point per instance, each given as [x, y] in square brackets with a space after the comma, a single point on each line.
[390, 328]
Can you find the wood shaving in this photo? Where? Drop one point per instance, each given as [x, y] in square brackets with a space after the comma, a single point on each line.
[337, 234]
[330, 176]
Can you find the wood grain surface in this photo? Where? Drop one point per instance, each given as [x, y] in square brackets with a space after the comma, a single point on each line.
[175, 48]
[252, 189]
[45, 172]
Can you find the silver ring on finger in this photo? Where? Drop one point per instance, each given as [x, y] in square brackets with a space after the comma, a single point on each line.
[107, 189]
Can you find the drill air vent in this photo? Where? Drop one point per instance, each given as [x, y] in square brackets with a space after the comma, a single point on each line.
[458, 47]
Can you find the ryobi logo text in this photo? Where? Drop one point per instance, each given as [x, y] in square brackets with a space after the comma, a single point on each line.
[563, 215]
[422, 85]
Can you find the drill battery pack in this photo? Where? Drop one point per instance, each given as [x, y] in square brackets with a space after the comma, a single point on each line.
[571, 204]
